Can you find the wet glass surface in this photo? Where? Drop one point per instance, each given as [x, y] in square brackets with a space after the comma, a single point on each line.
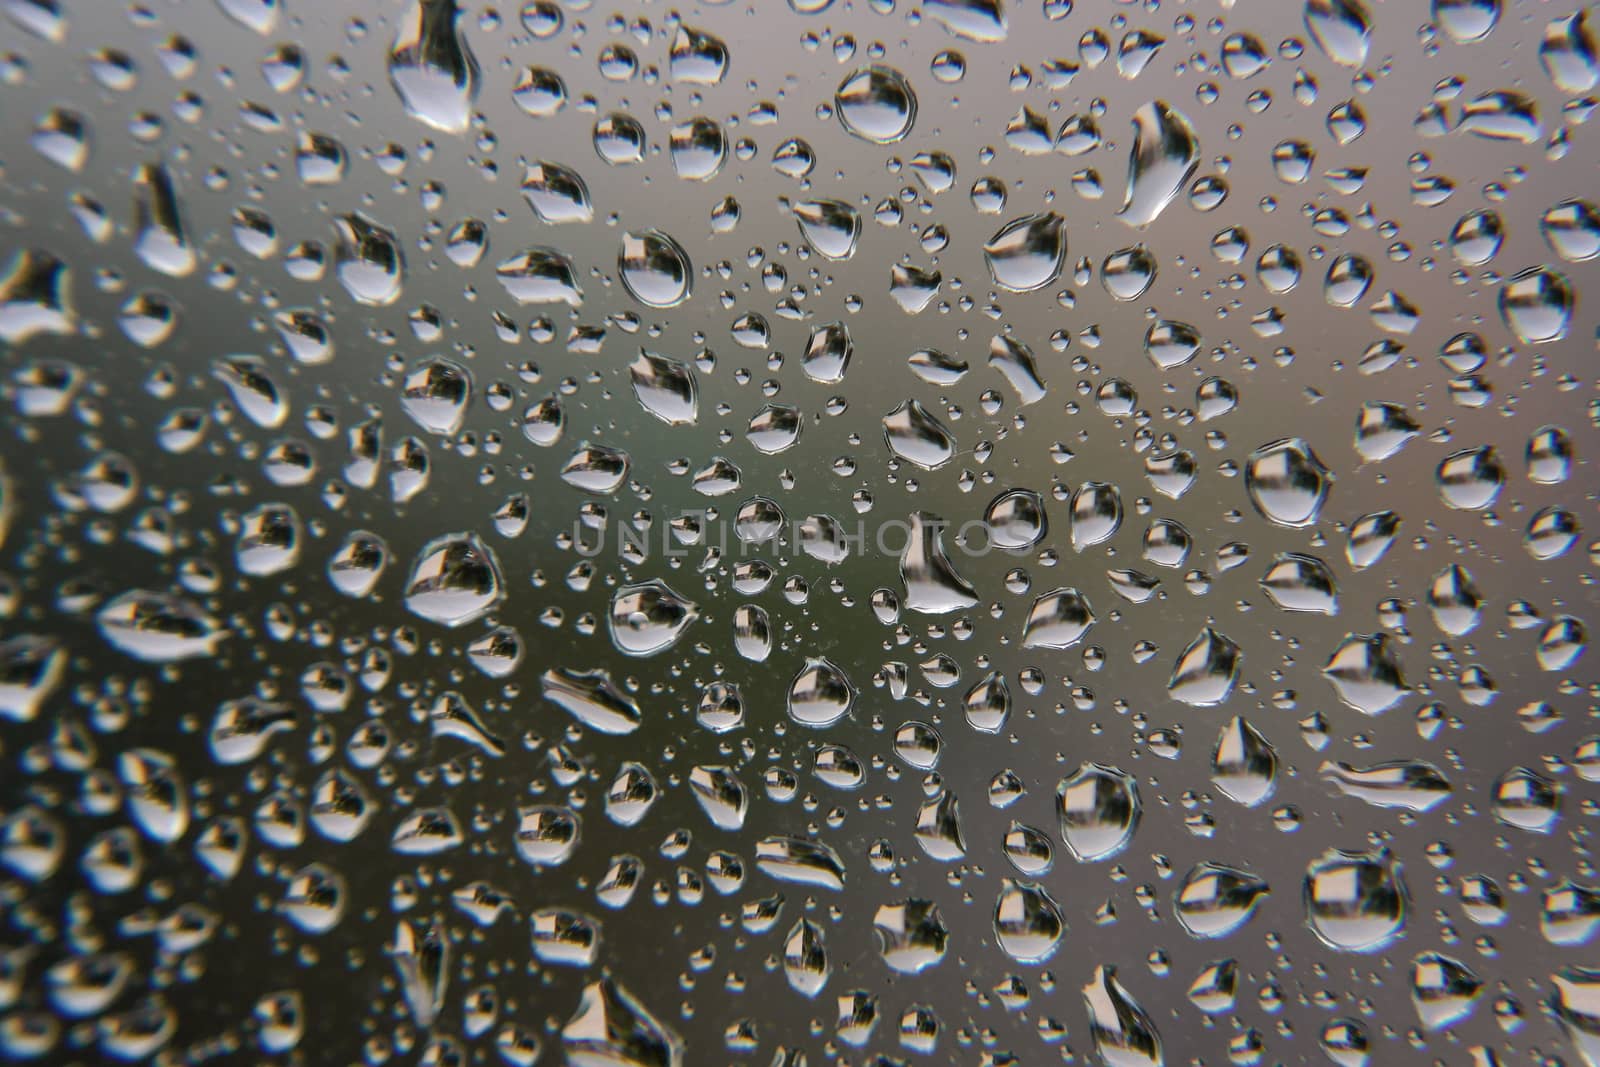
[826, 531]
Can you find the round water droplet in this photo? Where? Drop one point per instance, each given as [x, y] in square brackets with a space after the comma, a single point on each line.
[1287, 483]
[1536, 305]
[1355, 901]
[876, 104]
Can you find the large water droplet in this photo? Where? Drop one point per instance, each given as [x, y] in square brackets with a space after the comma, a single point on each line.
[1443, 990]
[876, 104]
[1028, 924]
[832, 227]
[1341, 28]
[1215, 900]
[1355, 901]
[1286, 482]
[1057, 620]
[1536, 305]
[1124, 1034]
[654, 268]
[648, 618]
[916, 435]
[454, 580]
[820, 695]
[432, 69]
[1097, 807]
[1166, 152]
[1408, 784]
[1026, 254]
[1206, 671]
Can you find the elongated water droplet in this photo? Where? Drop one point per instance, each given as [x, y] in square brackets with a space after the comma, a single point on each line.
[160, 239]
[1014, 360]
[1409, 784]
[431, 67]
[1124, 1034]
[1166, 152]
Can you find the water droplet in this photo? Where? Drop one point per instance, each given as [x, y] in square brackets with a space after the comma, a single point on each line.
[592, 698]
[158, 627]
[611, 1028]
[1166, 152]
[1443, 990]
[1576, 1005]
[1244, 766]
[805, 959]
[1096, 514]
[1124, 1034]
[976, 20]
[1026, 253]
[160, 240]
[876, 104]
[1408, 784]
[1341, 28]
[800, 861]
[1028, 924]
[1471, 479]
[654, 268]
[1206, 671]
[665, 387]
[1527, 800]
[697, 57]
[556, 194]
[820, 695]
[432, 69]
[827, 354]
[1355, 901]
[915, 435]
[1536, 305]
[1297, 582]
[832, 227]
[648, 618]
[1098, 808]
[1287, 483]
[1216, 900]
[1016, 520]
[1014, 360]
[436, 394]
[1057, 620]
[454, 580]
[1128, 273]
[35, 297]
